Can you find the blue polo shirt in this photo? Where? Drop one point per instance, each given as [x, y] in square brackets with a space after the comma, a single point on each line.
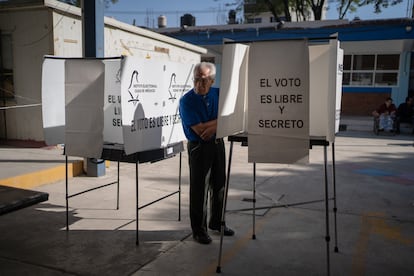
[195, 109]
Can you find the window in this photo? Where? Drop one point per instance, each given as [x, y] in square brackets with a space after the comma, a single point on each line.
[363, 62]
[6, 68]
[209, 59]
[371, 70]
[254, 20]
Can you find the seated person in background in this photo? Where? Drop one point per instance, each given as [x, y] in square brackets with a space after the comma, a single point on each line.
[405, 113]
[386, 114]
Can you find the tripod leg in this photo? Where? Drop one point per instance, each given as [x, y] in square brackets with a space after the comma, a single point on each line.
[137, 220]
[327, 238]
[117, 188]
[67, 193]
[334, 197]
[223, 212]
[254, 202]
[179, 188]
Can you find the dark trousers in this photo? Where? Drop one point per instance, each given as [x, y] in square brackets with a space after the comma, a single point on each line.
[400, 120]
[207, 175]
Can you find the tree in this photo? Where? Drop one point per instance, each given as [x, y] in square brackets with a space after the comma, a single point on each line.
[317, 8]
[350, 6]
[282, 8]
[302, 8]
[276, 7]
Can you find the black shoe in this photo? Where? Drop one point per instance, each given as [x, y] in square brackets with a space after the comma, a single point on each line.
[202, 238]
[227, 231]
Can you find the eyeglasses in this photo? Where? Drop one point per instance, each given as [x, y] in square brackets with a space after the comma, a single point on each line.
[202, 80]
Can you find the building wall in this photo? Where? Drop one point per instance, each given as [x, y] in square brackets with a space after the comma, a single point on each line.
[127, 43]
[361, 104]
[404, 81]
[67, 35]
[31, 39]
[362, 101]
[46, 31]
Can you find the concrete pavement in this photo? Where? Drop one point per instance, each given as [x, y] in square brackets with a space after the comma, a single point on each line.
[375, 217]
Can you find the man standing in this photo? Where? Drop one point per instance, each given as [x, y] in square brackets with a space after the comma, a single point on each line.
[206, 154]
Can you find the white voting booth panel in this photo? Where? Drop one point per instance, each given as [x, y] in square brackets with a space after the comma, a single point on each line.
[131, 102]
[273, 99]
[278, 98]
[325, 89]
[338, 87]
[150, 92]
[112, 131]
[53, 100]
[233, 90]
[84, 98]
[64, 82]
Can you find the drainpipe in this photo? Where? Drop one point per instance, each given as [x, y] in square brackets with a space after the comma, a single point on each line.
[93, 46]
[93, 28]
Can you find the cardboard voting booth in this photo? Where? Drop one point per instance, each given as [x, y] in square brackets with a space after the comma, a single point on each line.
[122, 109]
[281, 98]
[130, 102]
[276, 95]
[281, 94]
